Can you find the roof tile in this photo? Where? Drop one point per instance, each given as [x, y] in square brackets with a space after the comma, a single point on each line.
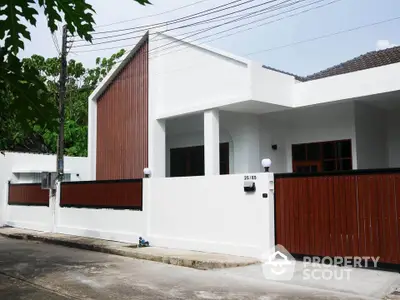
[369, 60]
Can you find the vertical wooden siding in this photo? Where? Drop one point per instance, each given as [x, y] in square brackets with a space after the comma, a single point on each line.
[27, 194]
[346, 215]
[102, 194]
[122, 122]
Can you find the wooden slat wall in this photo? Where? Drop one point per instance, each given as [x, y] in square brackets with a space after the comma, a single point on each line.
[102, 194]
[122, 122]
[346, 215]
[28, 194]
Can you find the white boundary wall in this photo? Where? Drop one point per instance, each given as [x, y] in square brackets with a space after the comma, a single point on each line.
[15, 166]
[205, 213]
[213, 214]
[109, 224]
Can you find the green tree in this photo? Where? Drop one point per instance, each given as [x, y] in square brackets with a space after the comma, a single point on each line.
[39, 136]
[23, 81]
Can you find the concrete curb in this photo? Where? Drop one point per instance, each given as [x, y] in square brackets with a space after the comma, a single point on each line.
[131, 251]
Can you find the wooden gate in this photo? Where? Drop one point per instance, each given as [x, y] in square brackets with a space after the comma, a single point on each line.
[354, 213]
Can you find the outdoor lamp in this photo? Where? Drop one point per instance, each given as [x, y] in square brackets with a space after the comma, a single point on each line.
[266, 163]
[147, 172]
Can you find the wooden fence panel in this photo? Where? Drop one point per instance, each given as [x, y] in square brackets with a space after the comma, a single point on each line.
[115, 194]
[28, 194]
[344, 214]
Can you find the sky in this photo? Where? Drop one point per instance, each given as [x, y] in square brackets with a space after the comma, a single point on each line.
[301, 59]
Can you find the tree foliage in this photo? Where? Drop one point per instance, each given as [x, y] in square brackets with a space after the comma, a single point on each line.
[32, 136]
[29, 86]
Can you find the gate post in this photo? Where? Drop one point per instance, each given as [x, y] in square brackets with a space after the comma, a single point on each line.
[54, 205]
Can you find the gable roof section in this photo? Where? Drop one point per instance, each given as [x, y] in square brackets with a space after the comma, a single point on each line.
[369, 60]
[103, 85]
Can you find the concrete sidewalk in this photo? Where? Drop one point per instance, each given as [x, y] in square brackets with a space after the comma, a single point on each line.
[184, 258]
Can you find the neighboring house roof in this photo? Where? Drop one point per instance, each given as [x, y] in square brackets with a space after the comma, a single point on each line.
[366, 61]
[297, 77]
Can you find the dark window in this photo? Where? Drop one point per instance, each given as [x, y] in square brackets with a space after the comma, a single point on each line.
[189, 161]
[299, 152]
[322, 157]
[313, 151]
[328, 150]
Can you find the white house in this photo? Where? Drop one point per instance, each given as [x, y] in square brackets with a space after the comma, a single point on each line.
[183, 109]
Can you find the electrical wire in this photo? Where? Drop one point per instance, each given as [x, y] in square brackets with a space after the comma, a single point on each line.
[260, 12]
[292, 15]
[203, 21]
[295, 43]
[55, 42]
[128, 33]
[260, 25]
[154, 15]
[181, 19]
[324, 36]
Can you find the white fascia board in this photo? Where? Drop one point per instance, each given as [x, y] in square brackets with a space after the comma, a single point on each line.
[116, 69]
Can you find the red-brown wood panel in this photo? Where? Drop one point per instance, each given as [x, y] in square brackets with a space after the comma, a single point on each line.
[28, 194]
[102, 194]
[122, 122]
[340, 215]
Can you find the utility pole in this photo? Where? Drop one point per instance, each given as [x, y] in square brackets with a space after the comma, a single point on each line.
[63, 79]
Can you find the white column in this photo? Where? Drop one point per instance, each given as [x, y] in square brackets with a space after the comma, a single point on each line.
[92, 137]
[157, 148]
[211, 142]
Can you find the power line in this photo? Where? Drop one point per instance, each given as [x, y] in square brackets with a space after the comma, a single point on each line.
[203, 21]
[324, 36]
[297, 43]
[181, 19]
[128, 33]
[260, 12]
[209, 28]
[154, 15]
[141, 28]
[55, 42]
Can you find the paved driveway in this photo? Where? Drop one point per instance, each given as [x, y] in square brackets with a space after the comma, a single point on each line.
[33, 270]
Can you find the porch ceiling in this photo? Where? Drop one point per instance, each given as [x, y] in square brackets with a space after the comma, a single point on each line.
[386, 101]
[254, 107]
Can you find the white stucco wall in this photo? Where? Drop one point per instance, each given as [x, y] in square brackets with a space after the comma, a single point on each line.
[189, 78]
[304, 125]
[29, 217]
[109, 224]
[371, 136]
[16, 167]
[270, 86]
[352, 85]
[213, 214]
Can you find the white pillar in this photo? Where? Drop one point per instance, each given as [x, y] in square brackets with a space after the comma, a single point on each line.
[211, 142]
[92, 137]
[157, 148]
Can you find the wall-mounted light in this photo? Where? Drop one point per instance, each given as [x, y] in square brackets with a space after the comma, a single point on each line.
[147, 172]
[266, 163]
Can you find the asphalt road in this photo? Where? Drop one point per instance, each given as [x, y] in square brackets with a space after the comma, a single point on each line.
[32, 270]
